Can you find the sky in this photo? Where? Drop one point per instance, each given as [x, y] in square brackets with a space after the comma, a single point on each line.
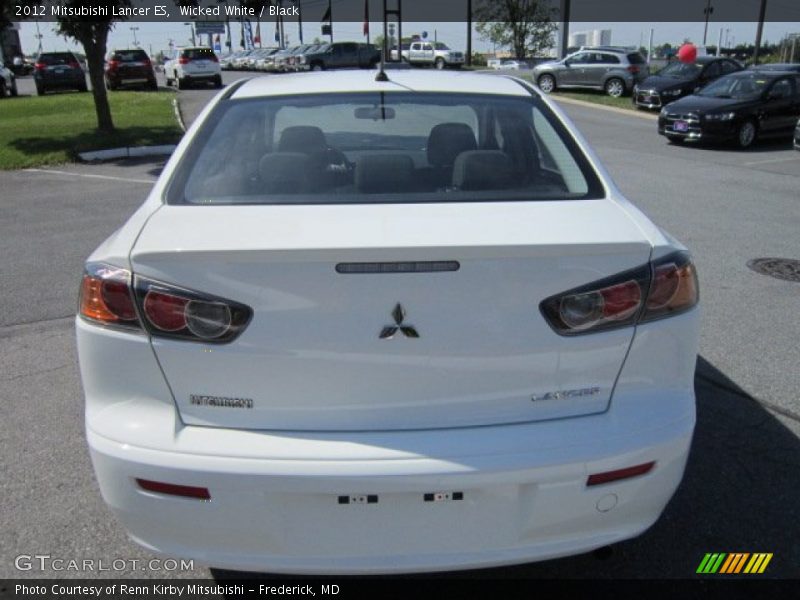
[154, 37]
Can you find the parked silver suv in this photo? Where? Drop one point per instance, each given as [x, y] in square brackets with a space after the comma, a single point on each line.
[613, 69]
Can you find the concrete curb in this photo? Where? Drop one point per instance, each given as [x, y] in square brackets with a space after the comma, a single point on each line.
[614, 109]
[130, 152]
[178, 114]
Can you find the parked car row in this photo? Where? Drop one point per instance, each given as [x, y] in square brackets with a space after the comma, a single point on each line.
[305, 57]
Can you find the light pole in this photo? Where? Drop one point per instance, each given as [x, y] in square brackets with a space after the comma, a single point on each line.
[135, 41]
[192, 29]
[707, 10]
[39, 37]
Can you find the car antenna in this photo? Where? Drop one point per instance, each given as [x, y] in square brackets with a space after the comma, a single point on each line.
[382, 76]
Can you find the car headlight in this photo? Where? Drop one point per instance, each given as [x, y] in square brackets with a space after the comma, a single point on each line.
[721, 116]
[676, 92]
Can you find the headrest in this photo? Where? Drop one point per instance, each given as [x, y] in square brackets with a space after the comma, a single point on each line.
[285, 172]
[302, 138]
[519, 144]
[483, 170]
[384, 173]
[448, 140]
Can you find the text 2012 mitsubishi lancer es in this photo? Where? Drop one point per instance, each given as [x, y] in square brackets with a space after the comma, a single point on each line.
[365, 326]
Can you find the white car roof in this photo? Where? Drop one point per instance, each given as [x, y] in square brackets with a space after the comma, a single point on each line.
[363, 80]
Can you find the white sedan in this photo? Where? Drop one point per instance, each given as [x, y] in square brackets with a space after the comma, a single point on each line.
[409, 325]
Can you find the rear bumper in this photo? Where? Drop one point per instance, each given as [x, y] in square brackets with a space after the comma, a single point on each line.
[279, 515]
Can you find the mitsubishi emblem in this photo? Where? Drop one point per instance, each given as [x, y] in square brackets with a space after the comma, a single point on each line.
[399, 315]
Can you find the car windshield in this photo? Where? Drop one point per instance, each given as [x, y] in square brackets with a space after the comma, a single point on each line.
[130, 56]
[740, 87]
[57, 58]
[382, 148]
[680, 70]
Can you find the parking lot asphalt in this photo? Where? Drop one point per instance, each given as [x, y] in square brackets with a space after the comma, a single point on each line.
[740, 492]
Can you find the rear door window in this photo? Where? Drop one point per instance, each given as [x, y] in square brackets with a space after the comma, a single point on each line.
[198, 53]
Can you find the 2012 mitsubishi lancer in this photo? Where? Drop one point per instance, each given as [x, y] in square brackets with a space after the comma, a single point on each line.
[367, 326]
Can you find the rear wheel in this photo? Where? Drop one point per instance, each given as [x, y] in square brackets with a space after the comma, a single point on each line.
[218, 81]
[2, 89]
[546, 83]
[153, 86]
[40, 91]
[182, 83]
[615, 87]
[439, 64]
[746, 134]
[82, 87]
[14, 91]
[316, 67]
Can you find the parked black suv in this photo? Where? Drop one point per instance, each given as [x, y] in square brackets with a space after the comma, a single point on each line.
[679, 79]
[130, 68]
[58, 71]
[341, 55]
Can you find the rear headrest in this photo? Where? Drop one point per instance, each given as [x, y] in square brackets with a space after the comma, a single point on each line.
[519, 144]
[483, 170]
[302, 138]
[448, 140]
[384, 173]
[285, 172]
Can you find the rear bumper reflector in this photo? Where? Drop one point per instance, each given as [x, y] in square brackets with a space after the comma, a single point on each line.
[171, 489]
[626, 473]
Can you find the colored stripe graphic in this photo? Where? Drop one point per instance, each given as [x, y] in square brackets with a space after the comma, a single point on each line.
[733, 563]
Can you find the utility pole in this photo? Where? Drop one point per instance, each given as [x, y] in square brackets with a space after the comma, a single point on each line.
[707, 10]
[469, 33]
[39, 37]
[135, 41]
[565, 6]
[761, 13]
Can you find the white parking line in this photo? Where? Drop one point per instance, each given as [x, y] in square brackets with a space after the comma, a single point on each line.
[772, 160]
[90, 176]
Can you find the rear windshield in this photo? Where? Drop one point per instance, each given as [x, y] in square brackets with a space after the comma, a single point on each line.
[57, 58]
[636, 59]
[197, 53]
[130, 56]
[396, 147]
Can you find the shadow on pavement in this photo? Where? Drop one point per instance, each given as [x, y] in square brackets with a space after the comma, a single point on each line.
[741, 493]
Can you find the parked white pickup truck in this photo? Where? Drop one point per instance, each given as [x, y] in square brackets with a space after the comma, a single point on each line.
[433, 53]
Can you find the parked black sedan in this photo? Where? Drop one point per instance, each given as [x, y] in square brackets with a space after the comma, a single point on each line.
[679, 79]
[58, 70]
[740, 107]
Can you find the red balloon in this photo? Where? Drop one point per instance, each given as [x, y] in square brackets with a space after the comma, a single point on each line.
[687, 53]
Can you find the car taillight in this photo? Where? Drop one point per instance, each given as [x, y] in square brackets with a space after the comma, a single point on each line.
[169, 311]
[39, 66]
[183, 60]
[112, 65]
[74, 64]
[109, 297]
[214, 58]
[146, 62]
[665, 287]
[106, 297]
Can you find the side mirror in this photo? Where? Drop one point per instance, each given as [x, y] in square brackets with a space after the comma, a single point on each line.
[567, 63]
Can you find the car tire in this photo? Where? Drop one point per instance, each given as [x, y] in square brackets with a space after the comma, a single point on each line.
[546, 83]
[316, 67]
[14, 90]
[182, 83]
[153, 86]
[746, 134]
[615, 87]
[2, 89]
[218, 81]
[439, 63]
[40, 90]
[82, 87]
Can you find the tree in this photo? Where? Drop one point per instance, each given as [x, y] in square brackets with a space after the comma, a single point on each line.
[525, 26]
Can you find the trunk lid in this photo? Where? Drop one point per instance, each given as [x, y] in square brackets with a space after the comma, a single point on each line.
[312, 358]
